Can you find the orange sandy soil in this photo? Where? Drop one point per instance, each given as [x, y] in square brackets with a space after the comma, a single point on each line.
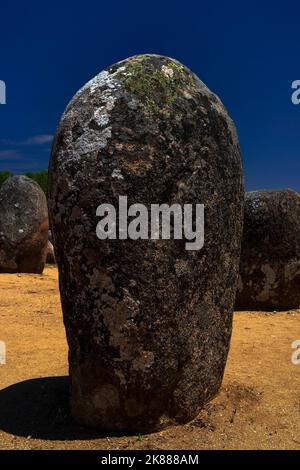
[258, 406]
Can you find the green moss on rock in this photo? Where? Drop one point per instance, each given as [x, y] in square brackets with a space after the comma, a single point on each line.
[157, 84]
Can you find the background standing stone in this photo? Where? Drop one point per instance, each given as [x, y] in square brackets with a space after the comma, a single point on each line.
[23, 226]
[50, 259]
[148, 323]
[270, 260]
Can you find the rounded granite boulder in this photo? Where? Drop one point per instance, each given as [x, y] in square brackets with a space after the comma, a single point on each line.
[270, 259]
[23, 226]
[148, 321]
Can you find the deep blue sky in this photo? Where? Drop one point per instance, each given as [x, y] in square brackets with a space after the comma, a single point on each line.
[246, 52]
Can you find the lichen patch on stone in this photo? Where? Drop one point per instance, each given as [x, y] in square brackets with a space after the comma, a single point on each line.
[157, 86]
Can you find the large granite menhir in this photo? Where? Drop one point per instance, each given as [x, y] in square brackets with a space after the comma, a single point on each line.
[270, 259]
[148, 322]
[23, 226]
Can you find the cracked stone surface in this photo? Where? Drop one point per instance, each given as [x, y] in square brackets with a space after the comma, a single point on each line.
[270, 259]
[23, 226]
[148, 323]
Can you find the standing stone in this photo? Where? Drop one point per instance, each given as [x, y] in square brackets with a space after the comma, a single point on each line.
[50, 259]
[23, 226]
[50, 236]
[148, 323]
[270, 259]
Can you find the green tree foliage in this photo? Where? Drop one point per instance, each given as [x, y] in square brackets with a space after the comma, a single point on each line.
[3, 176]
[41, 177]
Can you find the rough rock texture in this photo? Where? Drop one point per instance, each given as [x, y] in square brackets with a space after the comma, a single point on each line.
[148, 323]
[23, 226]
[50, 253]
[270, 259]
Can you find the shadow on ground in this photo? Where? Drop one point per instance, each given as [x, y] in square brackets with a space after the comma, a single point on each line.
[39, 408]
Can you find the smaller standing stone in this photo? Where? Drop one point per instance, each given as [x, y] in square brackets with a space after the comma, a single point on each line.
[50, 238]
[50, 254]
[23, 226]
[270, 259]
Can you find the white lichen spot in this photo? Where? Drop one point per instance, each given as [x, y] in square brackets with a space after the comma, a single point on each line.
[101, 117]
[109, 101]
[105, 79]
[21, 230]
[106, 86]
[133, 104]
[117, 174]
[101, 80]
[167, 71]
[92, 141]
[187, 95]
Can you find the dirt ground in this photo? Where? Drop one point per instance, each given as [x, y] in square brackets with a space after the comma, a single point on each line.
[258, 406]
